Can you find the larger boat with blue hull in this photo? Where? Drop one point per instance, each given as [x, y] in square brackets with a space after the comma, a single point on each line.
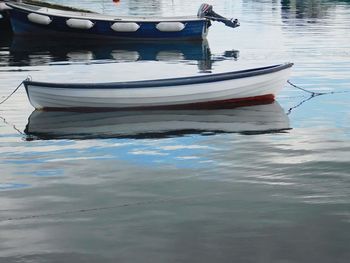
[37, 20]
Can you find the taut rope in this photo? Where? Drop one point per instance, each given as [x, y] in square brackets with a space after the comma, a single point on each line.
[14, 91]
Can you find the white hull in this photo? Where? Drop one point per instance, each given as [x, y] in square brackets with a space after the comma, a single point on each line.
[155, 123]
[263, 86]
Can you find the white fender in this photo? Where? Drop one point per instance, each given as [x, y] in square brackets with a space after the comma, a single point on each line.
[170, 26]
[39, 19]
[125, 27]
[79, 23]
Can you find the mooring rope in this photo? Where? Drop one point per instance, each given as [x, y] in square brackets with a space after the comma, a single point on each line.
[12, 126]
[97, 209]
[14, 91]
[301, 103]
[313, 95]
[9, 96]
[308, 91]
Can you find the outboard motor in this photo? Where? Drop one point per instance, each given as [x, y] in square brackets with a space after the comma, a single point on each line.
[206, 11]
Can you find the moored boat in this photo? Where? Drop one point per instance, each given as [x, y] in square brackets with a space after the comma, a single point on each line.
[258, 84]
[36, 20]
[253, 119]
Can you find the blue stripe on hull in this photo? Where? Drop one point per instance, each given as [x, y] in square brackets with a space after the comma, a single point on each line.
[165, 82]
[102, 29]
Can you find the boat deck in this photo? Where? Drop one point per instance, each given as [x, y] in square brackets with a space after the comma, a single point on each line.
[97, 16]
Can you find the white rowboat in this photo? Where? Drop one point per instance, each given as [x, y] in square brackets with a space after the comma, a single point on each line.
[259, 84]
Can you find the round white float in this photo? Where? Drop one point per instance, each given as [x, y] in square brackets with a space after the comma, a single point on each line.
[79, 23]
[170, 26]
[39, 19]
[125, 27]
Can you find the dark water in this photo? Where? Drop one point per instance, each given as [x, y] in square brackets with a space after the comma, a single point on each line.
[266, 183]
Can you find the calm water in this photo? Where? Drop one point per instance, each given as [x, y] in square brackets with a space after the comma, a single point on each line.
[267, 183]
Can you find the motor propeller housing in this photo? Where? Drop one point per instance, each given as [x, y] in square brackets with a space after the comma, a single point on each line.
[206, 11]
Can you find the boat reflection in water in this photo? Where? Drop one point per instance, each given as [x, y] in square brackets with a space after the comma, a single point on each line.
[137, 124]
[40, 52]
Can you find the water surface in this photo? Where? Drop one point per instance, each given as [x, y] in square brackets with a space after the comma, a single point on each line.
[264, 183]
